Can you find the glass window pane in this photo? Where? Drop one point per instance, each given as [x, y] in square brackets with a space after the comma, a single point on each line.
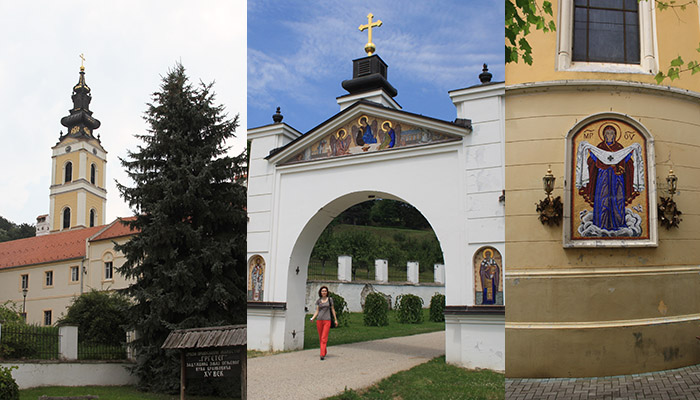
[617, 4]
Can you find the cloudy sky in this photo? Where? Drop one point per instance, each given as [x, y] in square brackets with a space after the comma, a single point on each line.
[300, 51]
[128, 46]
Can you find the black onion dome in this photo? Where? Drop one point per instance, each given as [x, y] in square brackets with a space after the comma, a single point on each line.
[80, 121]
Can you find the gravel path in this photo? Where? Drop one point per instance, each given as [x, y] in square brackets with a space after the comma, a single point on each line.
[301, 375]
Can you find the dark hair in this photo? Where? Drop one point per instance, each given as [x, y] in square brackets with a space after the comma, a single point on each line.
[324, 287]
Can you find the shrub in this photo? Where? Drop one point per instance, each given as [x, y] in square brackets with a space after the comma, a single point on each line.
[100, 317]
[8, 387]
[409, 309]
[375, 312]
[341, 309]
[9, 313]
[437, 308]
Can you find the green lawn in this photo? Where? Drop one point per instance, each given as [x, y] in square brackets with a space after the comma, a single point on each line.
[434, 380]
[358, 332]
[105, 392]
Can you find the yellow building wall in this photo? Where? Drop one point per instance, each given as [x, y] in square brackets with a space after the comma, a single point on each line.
[95, 202]
[95, 279]
[677, 34]
[601, 311]
[61, 160]
[40, 297]
[100, 164]
[58, 297]
[62, 200]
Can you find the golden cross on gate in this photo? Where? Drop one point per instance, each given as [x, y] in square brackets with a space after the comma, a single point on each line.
[369, 47]
[82, 60]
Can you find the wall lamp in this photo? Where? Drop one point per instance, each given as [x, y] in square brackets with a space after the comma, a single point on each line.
[669, 214]
[550, 210]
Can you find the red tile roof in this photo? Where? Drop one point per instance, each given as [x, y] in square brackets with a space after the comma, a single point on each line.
[46, 248]
[115, 229]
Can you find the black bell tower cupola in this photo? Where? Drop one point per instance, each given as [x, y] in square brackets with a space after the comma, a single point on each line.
[80, 122]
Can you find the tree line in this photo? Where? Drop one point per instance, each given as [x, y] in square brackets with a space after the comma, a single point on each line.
[11, 231]
[366, 245]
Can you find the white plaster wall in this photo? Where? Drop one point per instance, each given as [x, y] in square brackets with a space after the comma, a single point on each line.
[352, 292]
[475, 341]
[30, 375]
[310, 195]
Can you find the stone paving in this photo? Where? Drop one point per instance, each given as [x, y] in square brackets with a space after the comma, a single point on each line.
[300, 375]
[681, 384]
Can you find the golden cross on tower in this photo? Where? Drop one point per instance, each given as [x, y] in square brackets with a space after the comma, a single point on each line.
[369, 47]
[82, 60]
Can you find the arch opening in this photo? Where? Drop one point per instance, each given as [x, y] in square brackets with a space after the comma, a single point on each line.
[386, 206]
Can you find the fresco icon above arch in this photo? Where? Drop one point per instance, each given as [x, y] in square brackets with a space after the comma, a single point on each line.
[488, 277]
[369, 133]
[611, 193]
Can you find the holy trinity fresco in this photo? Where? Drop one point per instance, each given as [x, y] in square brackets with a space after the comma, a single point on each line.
[256, 278]
[488, 277]
[610, 196]
[368, 134]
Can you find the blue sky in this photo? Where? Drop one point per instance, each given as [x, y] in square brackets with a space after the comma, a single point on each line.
[299, 52]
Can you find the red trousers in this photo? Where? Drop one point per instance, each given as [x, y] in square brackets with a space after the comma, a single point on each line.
[323, 328]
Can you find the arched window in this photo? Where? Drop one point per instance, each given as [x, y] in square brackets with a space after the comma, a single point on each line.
[66, 218]
[93, 172]
[93, 217]
[69, 172]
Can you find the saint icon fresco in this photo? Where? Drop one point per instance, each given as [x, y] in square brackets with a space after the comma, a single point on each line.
[364, 134]
[488, 277]
[256, 277]
[340, 143]
[609, 177]
[389, 135]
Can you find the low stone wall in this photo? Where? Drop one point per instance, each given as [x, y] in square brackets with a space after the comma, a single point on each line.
[70, 373]
[354, 293]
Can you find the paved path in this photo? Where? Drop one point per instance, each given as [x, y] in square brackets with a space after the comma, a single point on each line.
[681, 384]
[301, 375]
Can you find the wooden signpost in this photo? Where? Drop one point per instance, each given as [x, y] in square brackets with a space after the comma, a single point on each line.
[210, 353]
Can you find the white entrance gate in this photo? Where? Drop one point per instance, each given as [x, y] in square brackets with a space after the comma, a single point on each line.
[451, 172]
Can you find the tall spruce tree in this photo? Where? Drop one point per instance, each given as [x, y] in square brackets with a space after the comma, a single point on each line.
[188, 259]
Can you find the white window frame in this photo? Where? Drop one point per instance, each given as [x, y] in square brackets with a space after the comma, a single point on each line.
[77, 274]
[48, 313]
[47, 275]
[22, 282]
[648, 54]
[110, 276]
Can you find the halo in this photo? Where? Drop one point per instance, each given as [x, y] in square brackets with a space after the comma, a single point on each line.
[618, 130]
[487, 251]
[386, 122]
[343, 136]
[359, 121]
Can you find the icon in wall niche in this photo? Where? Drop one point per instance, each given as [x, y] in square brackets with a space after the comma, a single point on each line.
[488, 277]
[610, 193]
[256, 278]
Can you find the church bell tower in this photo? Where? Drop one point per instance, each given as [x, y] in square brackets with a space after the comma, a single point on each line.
[78, 196]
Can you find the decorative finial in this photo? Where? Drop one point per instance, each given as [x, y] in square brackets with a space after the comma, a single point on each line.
[277, 117]
[370, 47]
[82, 60]
[485, 76]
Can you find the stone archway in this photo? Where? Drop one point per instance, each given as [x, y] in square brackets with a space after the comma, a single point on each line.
[449, 172]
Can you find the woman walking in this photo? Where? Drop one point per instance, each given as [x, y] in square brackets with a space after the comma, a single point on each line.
[326, 316]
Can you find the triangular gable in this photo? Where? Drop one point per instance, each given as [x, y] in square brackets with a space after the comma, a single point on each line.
[366, 127]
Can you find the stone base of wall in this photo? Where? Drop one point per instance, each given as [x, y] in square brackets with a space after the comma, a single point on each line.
[71, 373]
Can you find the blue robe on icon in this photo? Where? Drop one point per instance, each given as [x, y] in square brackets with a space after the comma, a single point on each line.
[368, 137]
